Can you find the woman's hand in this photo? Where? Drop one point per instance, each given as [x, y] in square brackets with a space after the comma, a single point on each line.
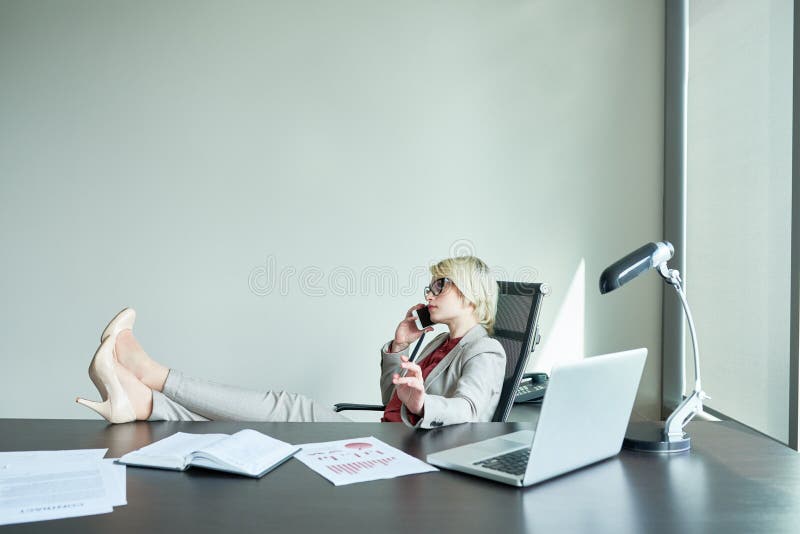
[407, 332]
[410, 388]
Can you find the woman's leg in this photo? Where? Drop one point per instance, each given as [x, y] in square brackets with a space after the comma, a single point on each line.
[209, 400]
[166, 409]
[134, 358]
[150, 405]
[221, 402]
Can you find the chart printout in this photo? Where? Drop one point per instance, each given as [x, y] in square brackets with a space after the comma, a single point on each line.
[359, 460]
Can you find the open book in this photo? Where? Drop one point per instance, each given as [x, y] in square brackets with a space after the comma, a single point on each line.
[246, 452]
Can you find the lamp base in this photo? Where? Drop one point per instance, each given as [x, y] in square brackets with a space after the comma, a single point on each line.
[648, 436]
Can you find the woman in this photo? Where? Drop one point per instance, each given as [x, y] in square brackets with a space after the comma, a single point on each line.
[458, 378]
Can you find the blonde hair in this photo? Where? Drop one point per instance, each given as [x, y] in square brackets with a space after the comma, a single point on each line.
[477, 285]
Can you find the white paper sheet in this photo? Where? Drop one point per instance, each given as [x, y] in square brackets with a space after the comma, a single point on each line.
[118, 473]
[34, 492]
[359, 460]
[36, 456]
[45, 485]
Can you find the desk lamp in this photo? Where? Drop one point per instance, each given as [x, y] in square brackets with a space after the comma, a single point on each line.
[652, 436]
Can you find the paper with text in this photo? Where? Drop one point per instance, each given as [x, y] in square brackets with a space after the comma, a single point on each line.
[50, 490]
[359, 460]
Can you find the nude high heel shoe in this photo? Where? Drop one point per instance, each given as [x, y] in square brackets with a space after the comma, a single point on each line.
[122, 321]
[117, 407]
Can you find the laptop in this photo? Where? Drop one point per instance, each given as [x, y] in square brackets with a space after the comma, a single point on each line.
[583, 420]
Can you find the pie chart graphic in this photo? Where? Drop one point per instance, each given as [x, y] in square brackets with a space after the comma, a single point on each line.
[360, 446]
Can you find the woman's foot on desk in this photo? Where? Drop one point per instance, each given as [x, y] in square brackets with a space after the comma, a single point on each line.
[127, 398]
[122, 321]
[133, 357]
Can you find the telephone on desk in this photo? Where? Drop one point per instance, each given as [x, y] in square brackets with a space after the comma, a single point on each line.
[531, 388]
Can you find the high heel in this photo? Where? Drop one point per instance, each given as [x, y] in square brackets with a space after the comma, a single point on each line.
[122, 321]
[117, 407]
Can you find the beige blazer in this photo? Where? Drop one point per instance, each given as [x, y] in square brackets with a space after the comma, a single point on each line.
[464, 387]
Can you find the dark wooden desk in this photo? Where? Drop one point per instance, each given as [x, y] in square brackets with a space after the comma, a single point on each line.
[733, 480]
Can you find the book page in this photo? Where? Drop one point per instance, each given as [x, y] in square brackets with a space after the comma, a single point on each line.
[172, 452]
[247, 451]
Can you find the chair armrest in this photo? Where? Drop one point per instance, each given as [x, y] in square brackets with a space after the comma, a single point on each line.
[350, 406]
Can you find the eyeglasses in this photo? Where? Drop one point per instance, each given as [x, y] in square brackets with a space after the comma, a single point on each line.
[437, 286]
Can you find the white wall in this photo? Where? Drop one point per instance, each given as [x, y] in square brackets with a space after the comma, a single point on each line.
[739, 206]
[161, 154]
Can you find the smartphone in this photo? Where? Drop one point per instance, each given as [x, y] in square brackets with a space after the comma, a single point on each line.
[422, 318]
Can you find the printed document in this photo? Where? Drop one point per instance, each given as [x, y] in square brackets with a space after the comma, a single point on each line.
[43, 485]
[359, 460]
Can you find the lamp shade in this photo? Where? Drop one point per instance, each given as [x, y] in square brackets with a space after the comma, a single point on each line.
[640, 260]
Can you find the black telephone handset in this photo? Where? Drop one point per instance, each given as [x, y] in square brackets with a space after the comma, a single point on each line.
[531, 388]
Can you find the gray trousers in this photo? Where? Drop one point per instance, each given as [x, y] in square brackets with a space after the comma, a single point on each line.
[190, 399]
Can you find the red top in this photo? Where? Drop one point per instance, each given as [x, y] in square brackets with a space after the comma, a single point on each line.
[392, 412]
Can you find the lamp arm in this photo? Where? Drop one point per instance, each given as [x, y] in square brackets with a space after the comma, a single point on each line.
[693, 404]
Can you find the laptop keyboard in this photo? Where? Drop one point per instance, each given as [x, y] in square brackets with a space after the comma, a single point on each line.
[514, 463]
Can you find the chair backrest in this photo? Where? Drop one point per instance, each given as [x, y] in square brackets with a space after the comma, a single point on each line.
[516, 327]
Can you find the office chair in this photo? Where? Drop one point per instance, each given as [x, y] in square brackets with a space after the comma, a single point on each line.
[516, 327]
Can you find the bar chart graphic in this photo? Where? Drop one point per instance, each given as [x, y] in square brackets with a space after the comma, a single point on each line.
[353, 458]
[354, 468]
[359, 460]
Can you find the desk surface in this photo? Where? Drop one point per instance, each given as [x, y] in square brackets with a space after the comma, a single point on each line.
[733, 480]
